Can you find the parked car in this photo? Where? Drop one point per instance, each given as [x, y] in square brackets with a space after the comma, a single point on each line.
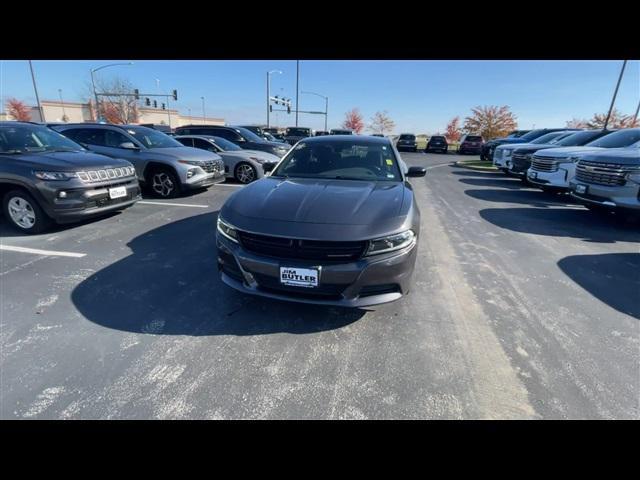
[437, 142]
[294, 134]
[521, 156]
[609, 180]
[470, 144]
[340, 131]
[486, 152]
[163, 165]
[46, 178]
[263, 133]
[158, 126]
[495, 154]
[407, 141]
[505, 152]
[377, 135]
[552, 169]
[273, 132]
[320, 133]
[242, 137]
[335, 224]
[243, 165]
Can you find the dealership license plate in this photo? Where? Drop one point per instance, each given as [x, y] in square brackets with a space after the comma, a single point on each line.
[533, 175]
[117, 192]
[299, 277]
[581, 189]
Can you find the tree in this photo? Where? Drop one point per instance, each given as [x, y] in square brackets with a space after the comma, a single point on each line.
[490, 121]
[353, 120]
[454, 131]
[18, 110]
[381, 122]
[576, 123]
[617, 120]
[120, 108]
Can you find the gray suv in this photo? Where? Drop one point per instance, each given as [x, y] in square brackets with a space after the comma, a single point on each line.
[46, 178]
[164, 165]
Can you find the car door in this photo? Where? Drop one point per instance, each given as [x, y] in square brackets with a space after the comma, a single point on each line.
[110, 146]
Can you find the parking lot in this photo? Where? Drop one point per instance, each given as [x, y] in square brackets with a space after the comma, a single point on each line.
[524, 305]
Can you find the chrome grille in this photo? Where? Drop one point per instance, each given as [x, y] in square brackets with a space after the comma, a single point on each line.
[213, 166]
[544, 164]
[608, 174]
[105, 174]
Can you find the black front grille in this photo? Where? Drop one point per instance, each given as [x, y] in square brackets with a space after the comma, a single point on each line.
[520, 162]
[610, 175]
[290, 248]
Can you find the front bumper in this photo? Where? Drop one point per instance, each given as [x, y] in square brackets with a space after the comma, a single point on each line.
[368, 281]
[407, 146]
[204, 180]
[625, 197]
[558, 180]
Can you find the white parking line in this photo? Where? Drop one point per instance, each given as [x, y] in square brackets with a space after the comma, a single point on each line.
[173, 204]
[41, 252]
[228, 185]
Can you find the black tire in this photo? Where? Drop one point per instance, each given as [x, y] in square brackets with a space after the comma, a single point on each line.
[41, 220]
[241, 172]
[163, 183]
[599, 209]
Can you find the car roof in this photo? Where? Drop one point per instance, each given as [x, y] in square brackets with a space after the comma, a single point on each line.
[205, 137]
[362, 139]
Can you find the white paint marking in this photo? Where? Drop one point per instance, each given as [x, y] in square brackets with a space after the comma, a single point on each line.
[42, 252]
[228, 185]
[173, 204]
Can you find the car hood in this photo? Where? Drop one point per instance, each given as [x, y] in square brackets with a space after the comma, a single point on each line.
[69, 161]
[321, 209]
[526, 148]
[564, 152]
[184, 153]
[617, 156]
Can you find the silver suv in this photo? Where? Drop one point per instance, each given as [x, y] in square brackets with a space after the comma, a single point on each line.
[163, 165]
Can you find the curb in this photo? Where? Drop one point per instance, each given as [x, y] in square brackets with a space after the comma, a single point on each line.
[479, 169]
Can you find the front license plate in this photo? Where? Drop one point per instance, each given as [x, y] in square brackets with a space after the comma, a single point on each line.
[533, 174]
[299, 277]
[117, 192]
[581, 189]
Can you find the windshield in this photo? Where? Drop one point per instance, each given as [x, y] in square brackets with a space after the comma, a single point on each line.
[621, 138]
[33, 138]
[249, 135]
[580, 138]
[225, 145]
[341, 132]
[548, 138]
[473, 138]
[340, 160]
[298, 131]
[407, 137]
[532, 135]
[153, 138]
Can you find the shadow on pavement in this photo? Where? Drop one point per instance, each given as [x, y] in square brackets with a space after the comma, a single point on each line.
[563, 222]
[505, 182]
[476, 173]
[535, 198]
[613, 278]
[170, 285]
[6, 231]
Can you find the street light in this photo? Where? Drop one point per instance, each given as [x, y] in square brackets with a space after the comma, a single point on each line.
[204, 115]
[269, 91]
[93, 82]
[326, 106]
[64, 114]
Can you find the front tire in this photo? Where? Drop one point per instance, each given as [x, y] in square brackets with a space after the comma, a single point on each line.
[245, 173]
[24, 213]
[164, 183]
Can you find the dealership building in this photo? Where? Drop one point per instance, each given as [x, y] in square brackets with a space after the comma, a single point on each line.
[70, 112]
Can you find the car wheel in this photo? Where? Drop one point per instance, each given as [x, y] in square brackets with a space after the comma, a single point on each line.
[245, 173]
[164, 183]
[24, 213]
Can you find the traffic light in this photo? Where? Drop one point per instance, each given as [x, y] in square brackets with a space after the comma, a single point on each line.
[175, 95]
[271, 108]
[155, 104]
[288, 108]
[163, 106]
[147, 102]
[277, 100]
[136, 94]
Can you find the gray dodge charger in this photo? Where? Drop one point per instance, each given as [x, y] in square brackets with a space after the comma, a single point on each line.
[335, 223]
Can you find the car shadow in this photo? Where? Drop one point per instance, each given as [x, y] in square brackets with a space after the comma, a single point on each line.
[505, 182]
[467, 172]
[613, 278]
[535, 198]
[170, 285]
[563, 222]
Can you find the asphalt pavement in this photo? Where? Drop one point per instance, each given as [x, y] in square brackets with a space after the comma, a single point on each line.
[525, 305]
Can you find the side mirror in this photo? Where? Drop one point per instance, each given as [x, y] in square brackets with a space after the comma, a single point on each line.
[417, 172]
[128, 146]
[268, 167]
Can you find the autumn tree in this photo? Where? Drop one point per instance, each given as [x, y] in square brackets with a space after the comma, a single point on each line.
[454, 131]
[381, 123]
[353, 120]
[490, 121]
[18, 110]
[120, 108]
[617, 120]
[576, 123]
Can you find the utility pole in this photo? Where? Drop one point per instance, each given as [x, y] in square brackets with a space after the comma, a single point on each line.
[204, 115]
[297, 87]
[615, 94]
[64, 114]
[35, 89]
[269, 93]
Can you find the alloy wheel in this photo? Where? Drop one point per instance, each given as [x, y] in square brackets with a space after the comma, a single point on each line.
[21, 212]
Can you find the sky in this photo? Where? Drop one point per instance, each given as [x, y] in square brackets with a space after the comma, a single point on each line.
[420, 96]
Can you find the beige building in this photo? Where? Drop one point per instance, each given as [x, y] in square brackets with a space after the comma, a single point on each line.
[70, 112]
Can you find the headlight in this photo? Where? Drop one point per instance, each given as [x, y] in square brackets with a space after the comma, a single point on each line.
[259, 160]
[633, 176]
[507, 152]
[227, 231]
[391, 243]
[191, 162]
[54, 175]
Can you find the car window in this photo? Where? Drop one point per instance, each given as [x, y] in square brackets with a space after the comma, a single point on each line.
[621, 138]
[187, 142]
[532, 135]
[226, 145]
[580, 138]
[203, 145]
[151, 138]
[546, 138]
[114, 139]
[407, 137]
[340, 160]
[33, 138]
[88, 136]
[473, 138]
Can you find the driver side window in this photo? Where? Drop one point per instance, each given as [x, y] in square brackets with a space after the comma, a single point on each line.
[114, 139]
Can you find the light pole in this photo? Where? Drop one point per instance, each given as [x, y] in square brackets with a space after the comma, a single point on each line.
[615, 94]
[297, 87]
[326, 106]
[35, 88]
[93, 83]
[64, 113]
[269, 92]
[204, 115]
